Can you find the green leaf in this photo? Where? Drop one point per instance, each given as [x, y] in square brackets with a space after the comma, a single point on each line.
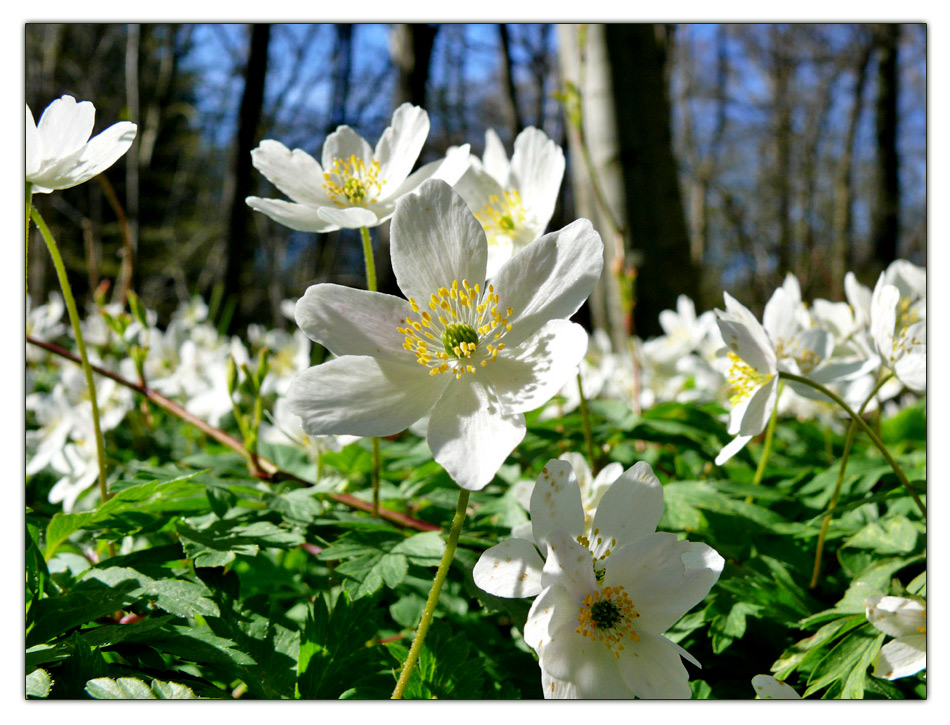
[334, 649]
[38, 683]
[218, 543]
[909, 424]
[176, 596]
[889, 535]
[448, 666]
[847, 663]
[132, 688]
[134, 499]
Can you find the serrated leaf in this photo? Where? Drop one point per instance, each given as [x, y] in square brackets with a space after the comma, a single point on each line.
[448, 667]
[176, 596]
[124, 688]
[134, 498]
[38, 683]
[852, 654]
[333, 649]
[220, 542]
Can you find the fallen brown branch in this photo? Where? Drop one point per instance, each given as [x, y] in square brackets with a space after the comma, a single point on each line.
[262, 468]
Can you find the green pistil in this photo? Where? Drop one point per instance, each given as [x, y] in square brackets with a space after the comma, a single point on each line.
[453, 337]
[605, 614]
[506, 223]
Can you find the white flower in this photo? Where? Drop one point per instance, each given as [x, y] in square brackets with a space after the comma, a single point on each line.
[753, 375]
[768, 688]
[289, 356]
[356, 186]
[592, 488]
[59, 152]
[899, 329]
[476, 355]
[603, 599]
[906, 621]
[513, 201]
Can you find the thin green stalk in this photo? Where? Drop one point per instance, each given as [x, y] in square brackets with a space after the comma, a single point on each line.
[80, 343]
[368, 259]
[875, 439]
[433, 599]
[371, 286]
[769, 434]
[849, 440]
[588, 434]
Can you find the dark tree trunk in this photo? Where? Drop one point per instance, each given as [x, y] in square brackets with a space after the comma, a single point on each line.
[782, 72]
[654, 208]
[411, 51]
[506, 68]
[884, 222]
[342, 70]
[239, 252]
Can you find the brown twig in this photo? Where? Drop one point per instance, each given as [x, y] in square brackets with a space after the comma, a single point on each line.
[266, 470]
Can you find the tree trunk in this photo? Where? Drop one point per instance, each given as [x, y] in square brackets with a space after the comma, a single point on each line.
[842, 220]
[884, 222]
[239, 251]
[517, 123]
[654, 209]
[411, 49]
[782, 72]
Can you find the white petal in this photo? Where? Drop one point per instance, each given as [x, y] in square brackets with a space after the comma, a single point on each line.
[768, 688]
[759, 409]
[103, 151]
[550, 278]
[590, 666]
[476, 186]
[652, 668]
[551, 610]
[745, 335]
[435, 240]
[884, 316]
[509, 569]
[902, 657]
[526, 377]
[556, 502]
[494, 159]
[779, 318]
[66, 126]
[469, 433]
[568, 563]
[664, 578]
[296, 173]
[301, 217]
[401, 143]
[342, 144]
[449, 170]
[555, 689]
[911, 369]
[34, 146]
[537, 169]
[896, 616]
[630, 509]
[731, 448]
[351, 217]
[349, 321]
[362, 396]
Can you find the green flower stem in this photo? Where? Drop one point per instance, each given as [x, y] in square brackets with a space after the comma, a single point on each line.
[74, 318]
[769, 435]
[875, 439]
[849, 440]
[368, 258]
[433, 599]
[588, 434]
[371, 286]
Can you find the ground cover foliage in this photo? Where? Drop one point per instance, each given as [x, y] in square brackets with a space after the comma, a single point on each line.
[198, 579]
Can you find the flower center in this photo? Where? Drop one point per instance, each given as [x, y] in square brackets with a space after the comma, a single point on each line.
[467, 322]
[502, 215]
[806, 359]
[595, 546]
[608, 616]
[744, 379]
[352, 183]
[906, 316]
